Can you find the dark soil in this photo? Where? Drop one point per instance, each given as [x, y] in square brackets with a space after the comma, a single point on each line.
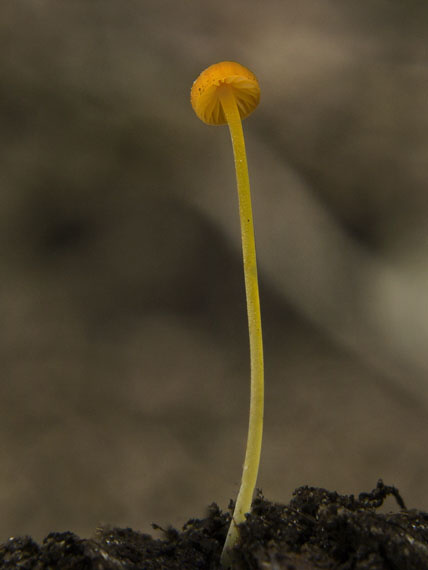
[317, 529]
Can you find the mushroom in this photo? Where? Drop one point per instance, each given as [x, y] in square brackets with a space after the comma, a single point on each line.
[227, 92]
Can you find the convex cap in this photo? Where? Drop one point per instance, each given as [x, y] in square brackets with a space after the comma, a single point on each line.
[206, 91]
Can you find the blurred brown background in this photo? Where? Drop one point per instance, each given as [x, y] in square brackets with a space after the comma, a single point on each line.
[123, 347]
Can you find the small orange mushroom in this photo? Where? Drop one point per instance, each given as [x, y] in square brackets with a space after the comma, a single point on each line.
[227, 92]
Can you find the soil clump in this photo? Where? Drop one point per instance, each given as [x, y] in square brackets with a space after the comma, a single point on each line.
[318, 529]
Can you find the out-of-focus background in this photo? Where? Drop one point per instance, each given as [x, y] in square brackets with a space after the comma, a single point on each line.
[123, 340]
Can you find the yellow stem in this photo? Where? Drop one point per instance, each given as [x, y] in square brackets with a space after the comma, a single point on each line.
[255, 427]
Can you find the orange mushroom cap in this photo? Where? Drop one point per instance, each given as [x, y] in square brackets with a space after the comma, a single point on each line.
[205, 93]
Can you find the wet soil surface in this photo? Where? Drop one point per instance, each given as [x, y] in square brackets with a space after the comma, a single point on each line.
[317, 529]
